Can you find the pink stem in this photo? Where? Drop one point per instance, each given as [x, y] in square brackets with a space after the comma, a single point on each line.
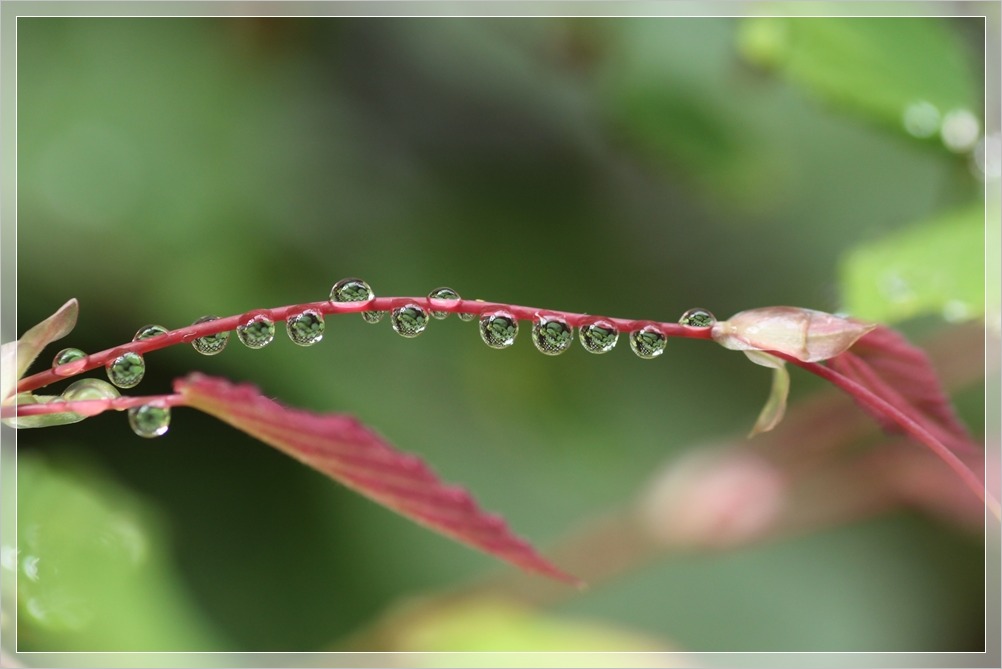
[909, 425]
[91, 407]
[188, 334]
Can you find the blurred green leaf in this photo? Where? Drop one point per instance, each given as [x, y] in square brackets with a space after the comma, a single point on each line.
[935, 267]
[496, 624]
[878, 66]
[90, 570]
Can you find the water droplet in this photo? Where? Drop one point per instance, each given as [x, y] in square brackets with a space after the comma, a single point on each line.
[552, 335]
[149, 420]
[210, 344]
[68, 355]
[466, 317]
[148, 331]
[498, 329]
[356, 290]
[126, 370]
[599, 337]
[351, 290]
[256, 330]
[89, 389]
[648, 342]
[921, 119]
[305, 328]
[443, 297]
[409, 320]
[698, 318]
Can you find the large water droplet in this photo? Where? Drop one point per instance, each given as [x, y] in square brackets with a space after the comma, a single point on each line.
[409, 320]
[148, 331]
[126, 370]
[149, 420]
[68, 355]
[498, 329]
[960, 130]
[351, 290]
[305, 328]
[356, 290]
[698, 318]
[256, 330]
[599, 337]
[210, 344]
[552, 335]
[443, 297]
[89, 389]
[648, 342]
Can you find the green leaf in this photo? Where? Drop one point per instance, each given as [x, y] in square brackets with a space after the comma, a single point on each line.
[936, 267]
[18, 356]
[498, 624]
[877, 66]
[90, 566]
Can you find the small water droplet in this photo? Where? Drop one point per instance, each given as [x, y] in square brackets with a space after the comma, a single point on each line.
[305, 328]
[356, 290]
[552, 335]
[89, 389]
[599, 337]
[68, 355]
[648, 342]
[256, 330]
[409, 320]
[148, 331]
[498, 329]
[443, 297]
[466, 317]
[351, 290]
[126, 370]
[210, 344]
[698, 318]
[149, 420]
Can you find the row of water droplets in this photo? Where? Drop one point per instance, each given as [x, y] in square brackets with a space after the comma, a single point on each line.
[551, 335]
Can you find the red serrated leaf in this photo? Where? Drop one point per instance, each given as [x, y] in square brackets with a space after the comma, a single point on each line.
[347, 451]
[902, 374]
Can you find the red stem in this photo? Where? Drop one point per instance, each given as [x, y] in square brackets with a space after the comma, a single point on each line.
[91, 407]
[913, 428]
[188, 334]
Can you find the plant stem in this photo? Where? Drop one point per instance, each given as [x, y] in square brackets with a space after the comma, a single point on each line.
[91, 407]
[188, 334]
[906, 423]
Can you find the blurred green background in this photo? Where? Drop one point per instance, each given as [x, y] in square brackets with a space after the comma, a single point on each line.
[173, 168]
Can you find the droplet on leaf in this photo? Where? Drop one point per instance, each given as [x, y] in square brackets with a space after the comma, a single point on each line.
[256, 331]
[443, 297]
[149, 420]
[210, 344]
[409, 320]
[126, 370]
[551, 334]
[306, 327]
[648, 342]
[598, 337]
[498, 329]
[697, 318]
